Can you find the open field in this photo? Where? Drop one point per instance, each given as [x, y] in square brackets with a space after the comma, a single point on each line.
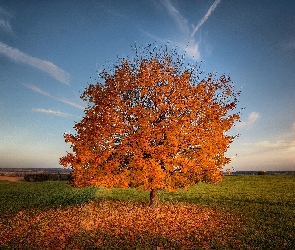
[242, 212]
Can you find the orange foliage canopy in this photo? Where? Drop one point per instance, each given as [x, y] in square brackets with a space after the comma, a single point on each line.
[154, 124]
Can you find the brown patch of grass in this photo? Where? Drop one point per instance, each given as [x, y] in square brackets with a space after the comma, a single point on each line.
[11, 178]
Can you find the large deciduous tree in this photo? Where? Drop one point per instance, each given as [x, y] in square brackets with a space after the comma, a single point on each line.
[154, 123]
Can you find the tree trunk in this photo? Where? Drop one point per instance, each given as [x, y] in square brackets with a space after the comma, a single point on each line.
[153, 198]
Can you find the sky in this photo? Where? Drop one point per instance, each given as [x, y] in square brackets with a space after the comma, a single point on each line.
[50, 51]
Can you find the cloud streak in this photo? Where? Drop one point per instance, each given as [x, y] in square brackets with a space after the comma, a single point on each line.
[42, 92]
[180, 21]
[46, 66]
[52, 112]
[38, 90]
[188, 44]
[204, 19]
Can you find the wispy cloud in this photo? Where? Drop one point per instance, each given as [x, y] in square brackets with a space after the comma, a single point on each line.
[204, 19]
[284, 143]
[5, 12]
[188, 43]
[267, 144]
[52, 112]
[180, 21]
[38, 90]
[71, 103]
[252, 118]
[290, 45]
[192, 49]
[46, 66]
[42, 92]
[5, 25]
[5, 17]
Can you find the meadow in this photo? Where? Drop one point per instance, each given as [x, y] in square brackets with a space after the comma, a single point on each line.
[242, 212]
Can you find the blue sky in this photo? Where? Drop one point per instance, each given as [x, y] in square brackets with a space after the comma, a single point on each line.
[50, 51]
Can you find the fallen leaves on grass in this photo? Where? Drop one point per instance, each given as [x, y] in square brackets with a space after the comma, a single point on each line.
[125, 223]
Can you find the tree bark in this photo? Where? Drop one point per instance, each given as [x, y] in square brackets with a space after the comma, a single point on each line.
[153, 198]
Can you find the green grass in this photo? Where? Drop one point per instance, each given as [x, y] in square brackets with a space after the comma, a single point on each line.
[265, 205]
[16, 196]
[240, 191]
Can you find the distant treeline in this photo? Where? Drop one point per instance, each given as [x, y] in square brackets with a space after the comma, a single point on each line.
[46, 177]
[262, 172]
[21, 172]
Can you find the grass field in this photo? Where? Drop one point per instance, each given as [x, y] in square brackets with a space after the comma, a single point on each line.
[242, 212]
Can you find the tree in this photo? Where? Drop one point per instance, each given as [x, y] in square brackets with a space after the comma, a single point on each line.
[153, 123]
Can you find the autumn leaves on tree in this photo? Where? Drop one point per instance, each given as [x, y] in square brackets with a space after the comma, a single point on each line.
[153, 123]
